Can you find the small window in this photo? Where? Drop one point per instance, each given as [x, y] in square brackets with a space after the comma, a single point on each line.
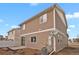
[23, 41]
[43, 19]
[33, 39]
[23, 27]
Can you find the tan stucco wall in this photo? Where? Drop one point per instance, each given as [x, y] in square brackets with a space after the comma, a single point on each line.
[34, 25]
[41, 40]
[63, 41]
[59, 24]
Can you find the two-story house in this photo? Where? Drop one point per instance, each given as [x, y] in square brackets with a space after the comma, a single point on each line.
[46, 29]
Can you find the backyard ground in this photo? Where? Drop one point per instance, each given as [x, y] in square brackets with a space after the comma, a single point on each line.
[72, 49]
[25, 51]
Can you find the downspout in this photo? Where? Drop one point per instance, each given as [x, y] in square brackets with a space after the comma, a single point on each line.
[54, 30]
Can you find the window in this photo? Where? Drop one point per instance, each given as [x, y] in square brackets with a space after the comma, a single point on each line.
[23, 27]
[43, 19]
[33, 39]
[22, 41]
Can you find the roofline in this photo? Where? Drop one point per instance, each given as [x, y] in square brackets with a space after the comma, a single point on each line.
[13, 29]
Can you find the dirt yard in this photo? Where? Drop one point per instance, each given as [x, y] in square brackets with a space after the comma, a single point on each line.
[25, 51]
[72, 49]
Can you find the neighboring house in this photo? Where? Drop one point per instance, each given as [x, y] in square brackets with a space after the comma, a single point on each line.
[1, 37]
[76, 39]
[14, 35]
[6, 37]
[46, 29]
[70, 41]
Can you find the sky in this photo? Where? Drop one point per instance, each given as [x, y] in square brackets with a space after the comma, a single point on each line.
[12, 14]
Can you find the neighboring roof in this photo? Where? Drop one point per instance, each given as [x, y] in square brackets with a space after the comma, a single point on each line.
[1, 35]
[43, 12]
[13, 29]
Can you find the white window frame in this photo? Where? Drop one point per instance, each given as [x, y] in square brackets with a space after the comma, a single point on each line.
[23, 27]
[43, 18]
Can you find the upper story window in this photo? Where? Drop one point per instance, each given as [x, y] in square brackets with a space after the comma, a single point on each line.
[43, 19]
[23, 28]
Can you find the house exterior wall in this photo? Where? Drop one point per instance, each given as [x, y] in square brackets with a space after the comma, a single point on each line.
[61, 42]
[60, 21]
[41, 37]
[34, 25]
[41, 40]
[62, 39]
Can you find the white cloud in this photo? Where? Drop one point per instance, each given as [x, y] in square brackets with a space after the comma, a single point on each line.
[71, 26]
[14, 26]
[68, 16]
[1, 20]
[33, 4]
[74, 15]
[6, 24]
[68, 30]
